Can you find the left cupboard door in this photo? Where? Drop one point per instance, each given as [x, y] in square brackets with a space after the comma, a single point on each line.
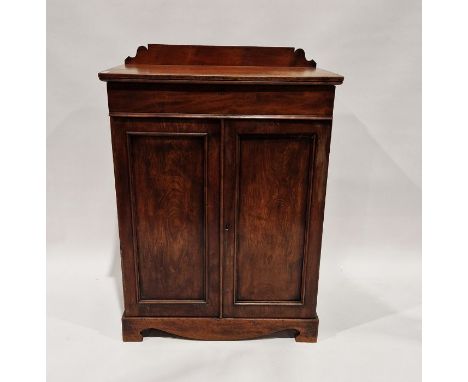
[167, 180]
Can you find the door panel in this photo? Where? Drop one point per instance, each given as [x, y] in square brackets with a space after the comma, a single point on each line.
[167, 180]
[168, 191]
[272, 205]
[274, 178]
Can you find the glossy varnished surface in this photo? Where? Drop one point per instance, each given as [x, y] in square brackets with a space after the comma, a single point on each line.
[243, 74]
[134, 328]
[138, 98]
[167, 182]
[168, 191]
[272, 192]
[273, 196]
[208, 55]
[220, 161]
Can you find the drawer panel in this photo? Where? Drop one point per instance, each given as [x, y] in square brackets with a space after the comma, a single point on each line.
[131, 97]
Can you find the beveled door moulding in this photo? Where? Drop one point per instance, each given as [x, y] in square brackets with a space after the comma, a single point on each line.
[220, 163]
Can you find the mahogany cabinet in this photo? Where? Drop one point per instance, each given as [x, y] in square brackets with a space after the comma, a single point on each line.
[220, 162]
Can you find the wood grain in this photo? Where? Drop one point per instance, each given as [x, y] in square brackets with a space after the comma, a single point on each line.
[215, 329]
[168, 176]
[272, 192]
[202, 55]
[167, 183]
[273, 198]
[220, 99]
[220, 74]
[220, 163]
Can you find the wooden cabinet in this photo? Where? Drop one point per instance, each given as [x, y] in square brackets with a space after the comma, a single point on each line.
[220, 160]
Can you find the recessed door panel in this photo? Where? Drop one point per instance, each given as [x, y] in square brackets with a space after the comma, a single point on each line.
[273, 182]
[167, 180]
[274, 175]
[168, 191]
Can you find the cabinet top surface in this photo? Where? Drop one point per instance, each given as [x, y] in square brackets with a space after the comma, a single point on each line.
[214, 64]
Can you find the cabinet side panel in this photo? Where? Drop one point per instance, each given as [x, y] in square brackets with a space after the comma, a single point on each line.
[168, 175]
[273, 182]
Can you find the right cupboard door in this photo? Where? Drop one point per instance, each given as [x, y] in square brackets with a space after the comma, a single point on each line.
[274, 181]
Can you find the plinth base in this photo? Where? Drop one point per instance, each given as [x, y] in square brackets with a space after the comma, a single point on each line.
[218, 329]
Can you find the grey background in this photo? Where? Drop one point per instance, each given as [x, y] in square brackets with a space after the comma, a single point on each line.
[369, 294]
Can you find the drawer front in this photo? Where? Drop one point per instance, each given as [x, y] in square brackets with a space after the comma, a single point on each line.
[127, 98]
[273, 196]
[167, 183]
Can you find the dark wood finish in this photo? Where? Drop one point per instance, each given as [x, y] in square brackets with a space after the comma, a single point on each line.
[168, 176]
[221, 99]
[274, 194]
[220, 160]
[201, 55]
[216, 329]
[167, 183]
[221, 74]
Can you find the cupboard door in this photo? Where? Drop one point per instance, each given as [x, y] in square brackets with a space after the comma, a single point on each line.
[273, 200]
[167, 183]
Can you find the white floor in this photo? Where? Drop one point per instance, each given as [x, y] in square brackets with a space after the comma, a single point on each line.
[369, 329]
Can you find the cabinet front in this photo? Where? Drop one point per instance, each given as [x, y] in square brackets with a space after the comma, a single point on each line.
[167, 182]
[273, 196]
